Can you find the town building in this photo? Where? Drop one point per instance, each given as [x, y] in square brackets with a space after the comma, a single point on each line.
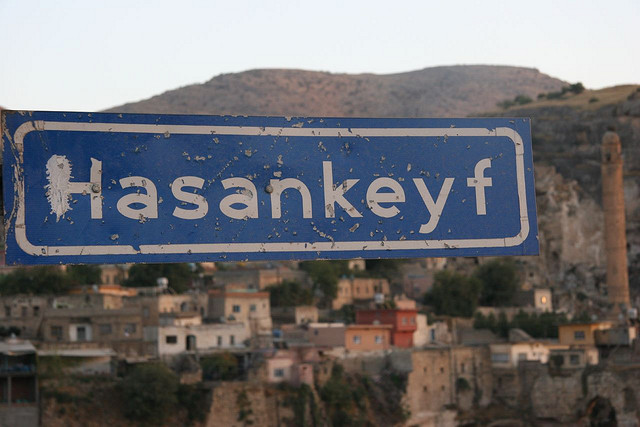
[306, 314]
[402, 321]
[120, 330]
[22, 314]
[258, 278]
[251, 308]
[358, 289]
[326, 334]
[171, 340]
[113, 274]
[18, 384]
[367, 337]
[581, 334]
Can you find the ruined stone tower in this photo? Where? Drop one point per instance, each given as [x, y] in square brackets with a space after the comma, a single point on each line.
[614, 223]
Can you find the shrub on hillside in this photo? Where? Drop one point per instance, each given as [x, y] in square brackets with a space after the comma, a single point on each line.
[149, 393]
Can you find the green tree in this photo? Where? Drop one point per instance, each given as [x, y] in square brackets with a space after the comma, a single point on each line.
[454, 294]
[289, 294]
[220, 367]
[84, 274]
[499, 281]
[149, 393]
[338, 397]
[325, 275]
[35, 280]
[146, 275]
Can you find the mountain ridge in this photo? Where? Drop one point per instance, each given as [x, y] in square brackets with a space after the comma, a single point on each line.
[444, 91]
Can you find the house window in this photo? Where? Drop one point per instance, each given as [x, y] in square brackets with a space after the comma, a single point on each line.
[171, 339]
[105, 329]
[252, 308]
[578, 335]
[356, 339]
[543, 300]
[413, 320]
[232, 340]
[424, 388]
[523, 356]
[441, 370]
[24, 311]
[36, 310]
[129, 328]
[378, 339]
[404, 320]
[7, 311]
[236, 308]
[574, 359]
[462, 367]
[145, 311]
[278, 373]
[81, 333]
[219, 341]
[56, 332]
[500, 357]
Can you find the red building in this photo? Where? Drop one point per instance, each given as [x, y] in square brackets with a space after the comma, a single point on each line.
[402, 321]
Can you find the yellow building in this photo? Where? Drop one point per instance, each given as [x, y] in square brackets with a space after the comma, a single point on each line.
[581, 333]
[351, 290]
[249, 307]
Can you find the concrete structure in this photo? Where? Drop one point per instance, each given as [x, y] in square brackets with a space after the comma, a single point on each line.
[367, 337]
[402, 322]
[114, 274]
[539, 298]
[153, 307]
[84, 361]
[292, 366]
[327, 334]
[250, 308]
[200, 338]
[573, 358]
[616, 336]
[114, 289]
[306, 314]
[18, 384]
[257, 278]
[509, 355]
[581, 334]
[418, 276]
[358, 289]
[614, 223]
[441, 377]
[120, 330]
[23, 313]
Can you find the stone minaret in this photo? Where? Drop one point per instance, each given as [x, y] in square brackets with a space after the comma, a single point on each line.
[614, 223]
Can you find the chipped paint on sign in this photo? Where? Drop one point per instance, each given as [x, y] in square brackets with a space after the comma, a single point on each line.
[145, 188]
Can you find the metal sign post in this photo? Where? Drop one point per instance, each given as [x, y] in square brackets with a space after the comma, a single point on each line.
[115, 188]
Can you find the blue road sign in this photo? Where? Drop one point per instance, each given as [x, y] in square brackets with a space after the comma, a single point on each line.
[115, 188]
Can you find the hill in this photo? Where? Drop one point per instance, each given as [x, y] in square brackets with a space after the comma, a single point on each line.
[454, 91]
[567, 132]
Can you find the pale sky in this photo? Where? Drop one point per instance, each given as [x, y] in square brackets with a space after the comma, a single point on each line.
[91, 55]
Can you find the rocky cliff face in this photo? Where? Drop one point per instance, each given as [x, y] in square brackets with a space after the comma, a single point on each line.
[566, 147]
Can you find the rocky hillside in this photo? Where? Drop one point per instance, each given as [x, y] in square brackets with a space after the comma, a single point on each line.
[567, 135]
[455, 91]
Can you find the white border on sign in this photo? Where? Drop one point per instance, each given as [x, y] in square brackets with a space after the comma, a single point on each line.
[209, 248]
